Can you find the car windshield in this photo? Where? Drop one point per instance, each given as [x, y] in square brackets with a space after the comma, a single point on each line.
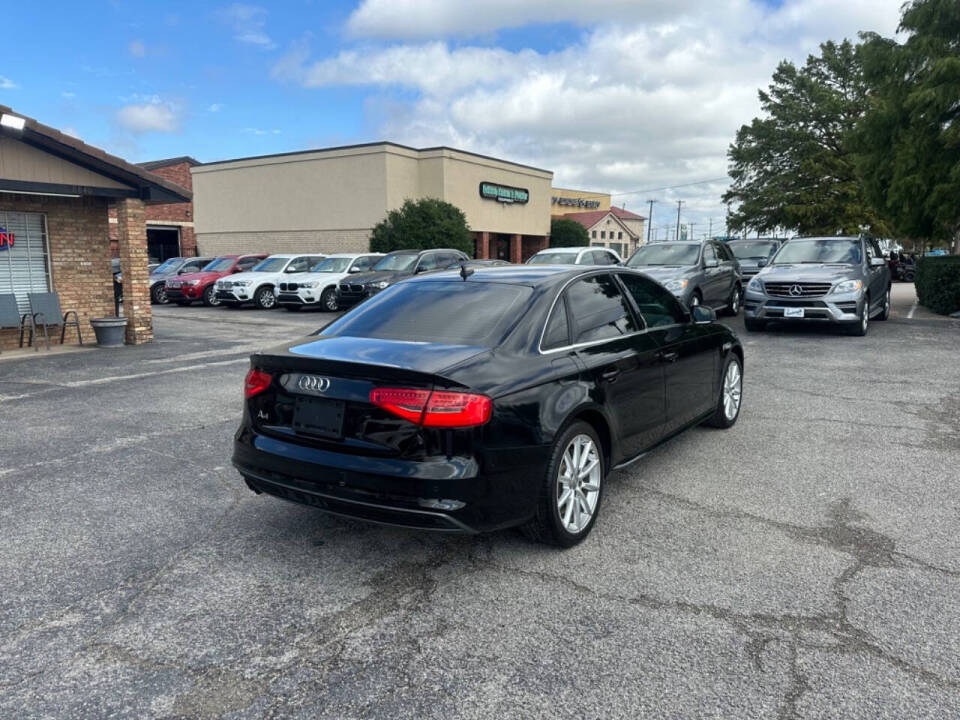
[665, 254]
[843, 251]
[553, 258]
[457, 313]
[397, 262]
[753, 250]
[332, 265]
[271, 265]
[218, 264]
[167, 266]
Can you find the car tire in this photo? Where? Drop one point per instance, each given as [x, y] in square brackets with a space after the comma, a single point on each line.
[885, 314]
[862, 326]
[328, 300]
[754, 325]
[158, 295]
[556, 512]
[210, 297]
[731, 394]
[733, 304]
[265, 298]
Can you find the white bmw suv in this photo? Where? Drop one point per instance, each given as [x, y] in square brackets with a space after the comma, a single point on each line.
[259, 286]
[318, 286]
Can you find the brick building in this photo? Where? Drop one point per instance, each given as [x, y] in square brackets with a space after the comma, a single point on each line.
[615, 228]
[54, 195]
[169, 225]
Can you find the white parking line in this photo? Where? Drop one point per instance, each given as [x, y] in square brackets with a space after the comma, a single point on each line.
[912, 310]
[185, 368]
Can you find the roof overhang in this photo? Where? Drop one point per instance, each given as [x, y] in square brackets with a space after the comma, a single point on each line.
[142, 184]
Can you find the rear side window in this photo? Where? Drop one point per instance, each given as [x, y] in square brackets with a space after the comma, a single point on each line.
[455, 313]
[599, 311]
[709, 253]
[557, 333]
[430, 261]
[657, 305]
[365, 263]
[247, 263]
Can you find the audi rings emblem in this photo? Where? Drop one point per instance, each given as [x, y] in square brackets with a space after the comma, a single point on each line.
[796, 290]
[312, 383]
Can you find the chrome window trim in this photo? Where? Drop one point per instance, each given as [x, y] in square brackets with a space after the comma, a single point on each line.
[575, 346]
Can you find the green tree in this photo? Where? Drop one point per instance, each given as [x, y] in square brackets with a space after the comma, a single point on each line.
[908, 142]
[794, 169]
[423, 224]
[567, 233]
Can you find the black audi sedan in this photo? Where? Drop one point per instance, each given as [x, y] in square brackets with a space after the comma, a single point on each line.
[476, 400]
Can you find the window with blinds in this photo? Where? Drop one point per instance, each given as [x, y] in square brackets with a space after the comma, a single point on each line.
[24, 267]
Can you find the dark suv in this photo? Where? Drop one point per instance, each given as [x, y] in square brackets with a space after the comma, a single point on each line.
[841, 280]
[753, 254]
[697, 273]
[392, 268]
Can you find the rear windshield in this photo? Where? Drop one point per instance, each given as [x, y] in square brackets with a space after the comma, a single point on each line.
[168, 265]
[455, 313]
[553, 259]
[753, 250]
[396, 262]
[271, 265]
[665, 254]
[219, 264]
[842, 251]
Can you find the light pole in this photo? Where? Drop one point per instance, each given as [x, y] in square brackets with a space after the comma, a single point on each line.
[679, 205]
[650, 220]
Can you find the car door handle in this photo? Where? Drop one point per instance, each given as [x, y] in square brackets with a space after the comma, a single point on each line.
[669, 356]
[610, 375]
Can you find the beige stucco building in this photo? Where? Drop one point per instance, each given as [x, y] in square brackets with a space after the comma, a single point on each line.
[329, 200]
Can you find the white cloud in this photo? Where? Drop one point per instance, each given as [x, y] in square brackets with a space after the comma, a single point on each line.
[67, 95]
[260, 131]
[248, 23]
[151, 116]
[215, 107]
[649, 100]
[137, 48]
[7, 84]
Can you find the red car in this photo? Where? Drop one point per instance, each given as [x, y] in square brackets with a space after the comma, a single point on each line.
[185, 289]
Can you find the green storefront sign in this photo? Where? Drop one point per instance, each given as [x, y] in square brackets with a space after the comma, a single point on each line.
[504, 193]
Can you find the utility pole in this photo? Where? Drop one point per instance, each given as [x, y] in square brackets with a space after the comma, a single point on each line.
[710, 231]
[650, 219]
[690, 235]
[679, 205]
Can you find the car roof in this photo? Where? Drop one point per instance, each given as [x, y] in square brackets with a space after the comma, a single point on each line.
[565, 250]
[826, 237]
[351, 255]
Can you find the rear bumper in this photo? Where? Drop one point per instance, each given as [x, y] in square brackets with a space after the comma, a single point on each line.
[448, 494]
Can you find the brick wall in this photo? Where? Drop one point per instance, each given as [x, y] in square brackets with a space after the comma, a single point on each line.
[77, 233]
[322, 241]
[178, 214]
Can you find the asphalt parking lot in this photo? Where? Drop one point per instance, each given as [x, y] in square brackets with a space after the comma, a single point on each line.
[805, 563]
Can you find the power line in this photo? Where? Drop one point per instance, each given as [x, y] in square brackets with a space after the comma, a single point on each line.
[668, 187]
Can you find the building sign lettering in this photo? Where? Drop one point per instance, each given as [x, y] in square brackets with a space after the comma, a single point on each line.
[6, 239]
[576, 202]
[504, 193]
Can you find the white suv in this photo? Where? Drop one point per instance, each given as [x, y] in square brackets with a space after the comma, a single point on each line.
[575, 256]
[319, 285]
[259, 286]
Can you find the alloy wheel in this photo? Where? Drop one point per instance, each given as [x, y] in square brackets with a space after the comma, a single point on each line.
[865, 317]
[267, 299]
[160, 295]
[732, 391]
[211, 296]
[735, 302]
[578, 484]
[330, 300]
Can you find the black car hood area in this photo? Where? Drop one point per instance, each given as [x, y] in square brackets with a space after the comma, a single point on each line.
[421, 357]
[373, 277]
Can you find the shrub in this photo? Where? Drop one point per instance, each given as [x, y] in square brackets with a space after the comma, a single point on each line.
[938, 283]
[567, 233]
[421, 225]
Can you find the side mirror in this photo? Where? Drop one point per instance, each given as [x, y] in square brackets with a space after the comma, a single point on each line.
[762, 263]
[354, 269]
[290, 269]
[710, 263]
[877, 262]
[702, 314]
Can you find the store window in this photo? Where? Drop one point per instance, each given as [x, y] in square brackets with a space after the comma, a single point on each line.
[24, 265]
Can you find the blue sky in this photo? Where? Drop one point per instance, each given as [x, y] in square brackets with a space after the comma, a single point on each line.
[614, 95]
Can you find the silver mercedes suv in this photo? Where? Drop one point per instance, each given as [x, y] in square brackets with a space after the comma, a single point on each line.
[842, 280]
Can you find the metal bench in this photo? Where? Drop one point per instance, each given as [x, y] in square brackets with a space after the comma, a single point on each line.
[46, 311]
[11, 317]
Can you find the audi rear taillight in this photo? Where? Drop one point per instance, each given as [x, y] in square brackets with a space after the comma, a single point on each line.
[437, 408]
[255, 383]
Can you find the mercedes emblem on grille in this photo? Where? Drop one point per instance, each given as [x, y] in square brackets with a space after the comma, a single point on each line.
[796, 290]
[313, 383]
